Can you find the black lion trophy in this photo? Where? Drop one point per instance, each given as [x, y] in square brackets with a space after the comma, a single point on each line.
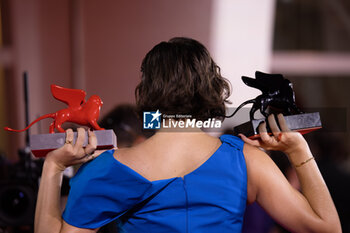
[277, 97]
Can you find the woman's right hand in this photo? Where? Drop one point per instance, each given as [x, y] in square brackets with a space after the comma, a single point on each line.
[71, 154]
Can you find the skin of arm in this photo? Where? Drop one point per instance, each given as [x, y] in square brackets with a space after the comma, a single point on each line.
[47, 215]
[312, 210]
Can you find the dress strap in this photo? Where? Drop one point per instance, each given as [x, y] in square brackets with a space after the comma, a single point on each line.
[233, 141]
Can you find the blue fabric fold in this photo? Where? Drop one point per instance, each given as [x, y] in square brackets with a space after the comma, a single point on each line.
[104, 189]
[234, 141]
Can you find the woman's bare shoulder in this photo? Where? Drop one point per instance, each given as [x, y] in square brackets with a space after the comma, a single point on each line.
[134, 158]
[254, 155]
[126, 155]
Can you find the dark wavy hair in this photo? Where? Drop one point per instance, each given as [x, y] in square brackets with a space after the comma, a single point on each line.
[180, 77]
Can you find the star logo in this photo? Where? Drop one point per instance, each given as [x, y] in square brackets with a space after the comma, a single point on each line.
[151, 120]
[156, 116]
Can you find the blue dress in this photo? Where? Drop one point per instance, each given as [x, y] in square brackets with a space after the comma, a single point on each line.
[212, 198]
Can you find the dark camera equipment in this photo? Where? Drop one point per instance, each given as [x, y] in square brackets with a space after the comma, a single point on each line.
[19, 184]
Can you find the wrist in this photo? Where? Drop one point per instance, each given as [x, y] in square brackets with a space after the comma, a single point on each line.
[297, 148]
[53, 166]
[298, 157]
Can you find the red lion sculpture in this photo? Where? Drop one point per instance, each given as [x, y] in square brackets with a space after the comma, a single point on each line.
[79, 111]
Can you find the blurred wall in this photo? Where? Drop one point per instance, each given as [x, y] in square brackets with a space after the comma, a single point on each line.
[241, 43]
[118, 34]
[98, 46]
[40, 45]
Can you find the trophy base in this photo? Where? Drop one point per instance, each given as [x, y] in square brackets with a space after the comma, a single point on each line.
[303, 123]
[41, 144]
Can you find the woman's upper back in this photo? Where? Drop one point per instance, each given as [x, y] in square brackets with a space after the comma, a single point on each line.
[167, 155]
[210, 198]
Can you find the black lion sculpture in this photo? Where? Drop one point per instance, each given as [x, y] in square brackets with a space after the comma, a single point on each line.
[277, 93]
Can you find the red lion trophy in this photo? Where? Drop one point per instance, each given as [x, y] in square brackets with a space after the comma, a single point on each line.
[79, 111]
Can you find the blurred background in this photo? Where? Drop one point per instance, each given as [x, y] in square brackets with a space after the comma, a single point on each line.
[98, 46]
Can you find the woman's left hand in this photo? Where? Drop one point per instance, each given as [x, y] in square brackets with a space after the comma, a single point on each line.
[281, 138]
[71, 154]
